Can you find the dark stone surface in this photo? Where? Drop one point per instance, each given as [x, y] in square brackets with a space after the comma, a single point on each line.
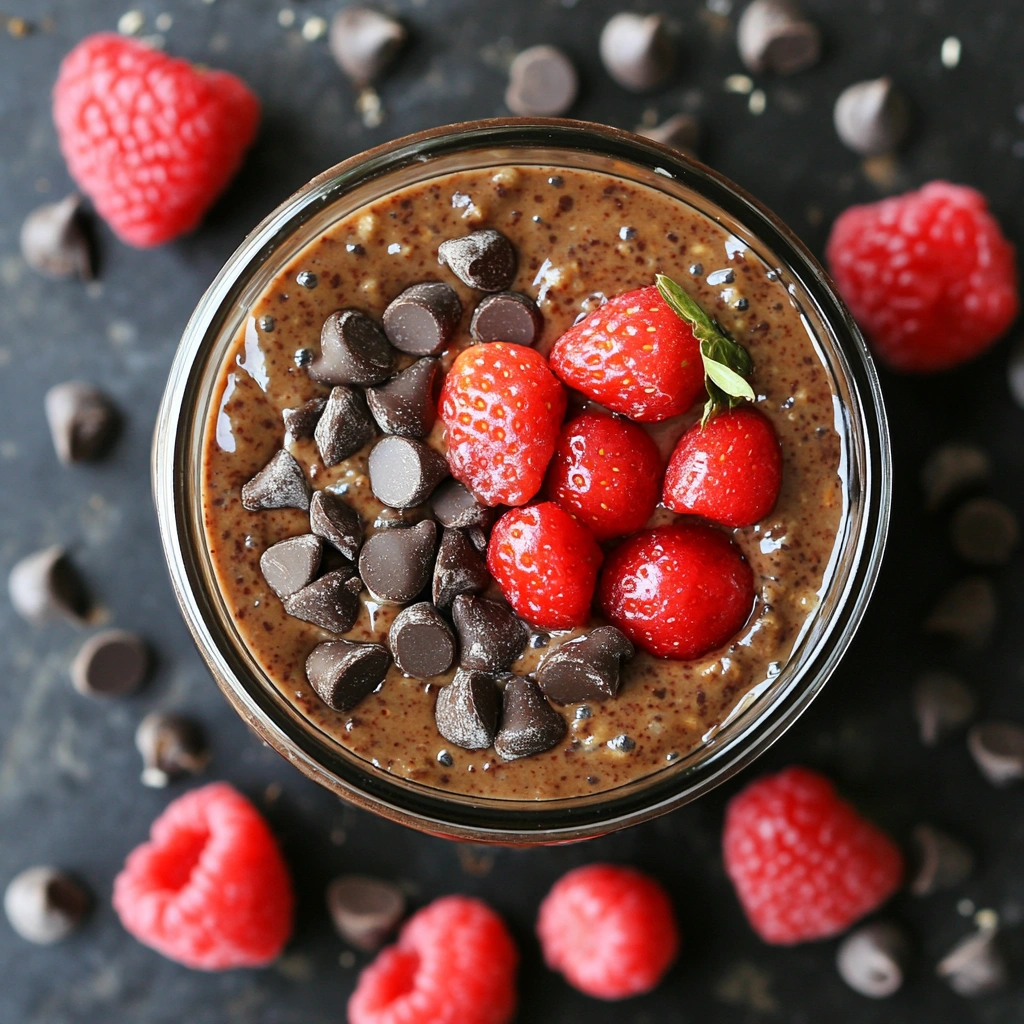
[69, 787]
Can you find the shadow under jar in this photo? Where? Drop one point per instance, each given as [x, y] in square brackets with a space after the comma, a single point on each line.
[370, 227]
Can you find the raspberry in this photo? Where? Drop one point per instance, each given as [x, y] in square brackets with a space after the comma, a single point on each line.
[677, 591]
[607, 472]
[610, 930]
[804, 863]
[454, 963]
[634, 355]
[502, 407]
[149, 138]
[729, 471]
[928, 275]
[210, 889]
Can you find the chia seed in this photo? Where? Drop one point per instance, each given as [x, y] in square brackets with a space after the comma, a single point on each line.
[445, 758]
[555, 181]
[724, 276]
[540, 640]
[697, 269]
[583, 712]
[265, 324]
[303, 356]
[742, 304]
[307, 279]
[627, 234]
[622, 743]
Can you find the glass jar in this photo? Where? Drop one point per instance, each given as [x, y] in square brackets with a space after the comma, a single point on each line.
[762, 716]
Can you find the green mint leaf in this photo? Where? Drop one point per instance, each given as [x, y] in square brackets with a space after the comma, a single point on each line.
[728, 380]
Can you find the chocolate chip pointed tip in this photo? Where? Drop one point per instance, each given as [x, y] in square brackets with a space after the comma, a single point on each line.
[542, 83]
[404, 471]
[637, 51]
[279, 484]
[83, 421]
[56, 240]
[421, 642]
[483, 259]
[45, 905]
[459, 569]
[353, 350]
[407, 404]
[345, 426]
[872, 118]
[365, 910]
[333, 519]
[421, 320]
[300, 422]
[364, 42]
[772, 35]
[343, 672]
[45, 585]
[112, 663]
[466, 710]
[395, 564]
[588, 667]
[491, 635]
[290, 564]
[529, 724]
[331, 602]
[507, 316]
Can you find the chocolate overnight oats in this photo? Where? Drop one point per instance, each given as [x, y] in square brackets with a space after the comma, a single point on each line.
[481, 578]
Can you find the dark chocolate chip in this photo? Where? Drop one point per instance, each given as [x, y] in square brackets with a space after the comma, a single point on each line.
[421, 641]
[998, 751]
[343, 672]
[364, 42]
[542, 82]
[290, 564]
[407, 404]
[353, 350]
[491, 635]
[55, 240]
[345, 426]
[110, 664]
[459, 569]
[966, 612]
[466, 711]
[45, 585]
[300, 422]
[331, 602]
[585, 668]
[171, 746]
[403, 471]
[637, 51]
[279, 484]
[680, 131]
[484, 259]
[455, 506]
[395, 564]
[942, 704]
[423, 318]
[975, 966]
[83, 421]
[942, 862]
[365, 910]
[952, 469]
[773, 36]
[529, 724]
[984, 532]
[507, 316]
[332, 518]
[872, 117]
[872, 960]
[45, 905]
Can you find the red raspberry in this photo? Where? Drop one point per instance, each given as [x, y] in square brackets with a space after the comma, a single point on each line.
[151, 139]
[545, 561]
[804, 863]
[210, 889]
[608, 472]
[928, 275]
[502, 407]
[610, 930]
[634, 356]
[729, 471]
[454, 963]
[677, 591]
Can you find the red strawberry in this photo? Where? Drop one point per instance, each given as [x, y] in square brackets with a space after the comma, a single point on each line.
[545, 561]
[607, 472]
[729, 471]
[677, 591]
[502, 407]
[634, 355]
[151, 139]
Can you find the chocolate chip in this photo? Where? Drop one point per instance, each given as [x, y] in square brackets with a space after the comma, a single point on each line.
[421, 641]
[872, 117]
[998, 751]
[395, 564]
[300, 422]
[290, 564]
[171, 746]
[975, 966]
[483, 259]
[83, 421]
[507, 316]
[466, 711]
[279, 484]
[403, 471]
[455, 506]
[333, 519]
[364, 42]
[345, 426]
[364, 910]
[353, 350]
[637, 51]
[55, 240]
[529, 724]
[773, 36]
[110, 664]
[585, 668]
[45, 585]
[542, 82]
[331, 602]
[984, 532]
[423, 318]
[407, 404]
[680, 131]
[952, 469]
[45, 905]
[491, 635]
[343, 672]
[942, 862]
[942, 704]
[966, 612]
[872, 959]
[459, 569]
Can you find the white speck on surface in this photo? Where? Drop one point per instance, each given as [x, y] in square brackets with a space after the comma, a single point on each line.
[162, 22]
[314, 28]
[286, 17]
[130, 23]
[758, 101]
[986, 919]
[394, 248]
[742, 84]
[370, 108]
[965, 907]
[121, 333]
[950, 52]
[219, 42]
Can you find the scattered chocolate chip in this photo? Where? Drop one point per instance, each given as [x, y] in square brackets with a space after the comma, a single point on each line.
[998, 751]
[459, 569]
[507, 316]
[307, 279]
[353, 350]
[45, 905]
[966, 612]
[171, 746]
[279, 484]
[773, 36]
[83, 421]
[343, 672]
[456, 507]
[984, 532]
[529, 724]
[724, 276]
[345, 426]
[395, 564]
[680, 131]
[403, 471]
[365, 910]
[55, 241]
[290, 564]
[300, 422]
[872, 117]
[407, 404]
[45, 585]
[975, 966]
[331, 602]
[542, 82]
[333, 519]
[585, 668]
[110, 664]
[423, 318]
[942, 704]
[466, 711]
[637, 51]
[421, 641]
[872, 959]
[491, 635]
[942, 862]
[364, 42]
[483, 259]
[952, 469]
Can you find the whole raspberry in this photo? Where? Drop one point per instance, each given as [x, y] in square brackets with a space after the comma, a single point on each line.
[610, 930]
[151, 139]
[929, 276]
[210, 889]
[804, 863]
[454, 963]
